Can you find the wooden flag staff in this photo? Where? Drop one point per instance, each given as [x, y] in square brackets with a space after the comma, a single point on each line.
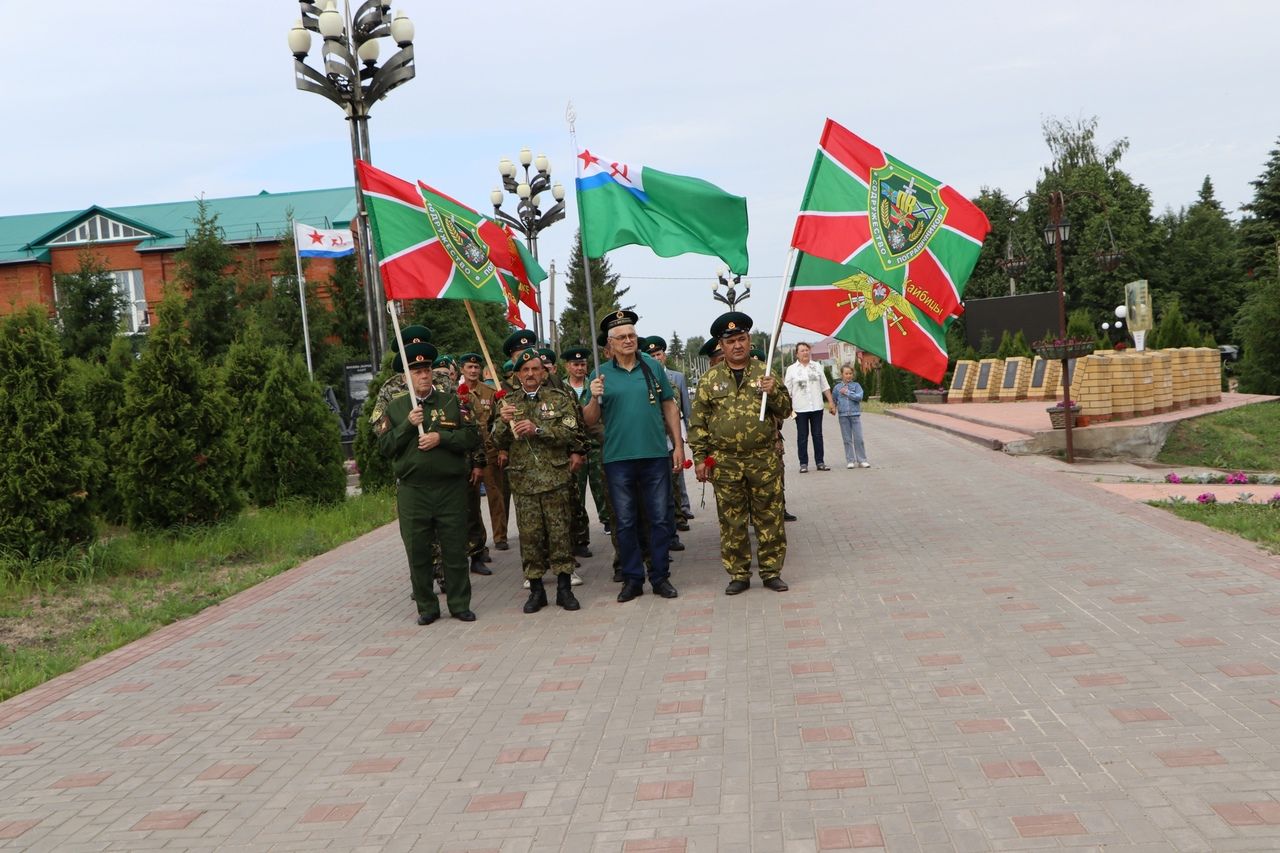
[404, 362]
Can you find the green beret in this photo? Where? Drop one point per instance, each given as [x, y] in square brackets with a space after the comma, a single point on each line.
[548, 355]
[525, 356]
[757, 353]
[470, 358]
[417, 354]
[619, 318]
[443, 361]
[709, 348]
[507, 366]
[653, 344]
[578, 353]
[518, 340]
[414, 334]
[729, 324]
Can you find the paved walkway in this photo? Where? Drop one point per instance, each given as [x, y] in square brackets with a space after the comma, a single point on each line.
[977, 653]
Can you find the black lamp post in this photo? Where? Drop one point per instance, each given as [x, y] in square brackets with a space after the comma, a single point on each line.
[349, 42]
[1056, 233]
[529, 220]
[731, 295]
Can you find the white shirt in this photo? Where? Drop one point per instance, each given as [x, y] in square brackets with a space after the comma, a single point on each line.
[805, 383]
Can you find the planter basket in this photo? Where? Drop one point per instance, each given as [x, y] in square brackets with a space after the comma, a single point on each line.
[1057, 416]
[1072, 350]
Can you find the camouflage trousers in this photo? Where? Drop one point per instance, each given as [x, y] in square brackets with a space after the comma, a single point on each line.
[544, 520]
[749, 493]
[592, 474]
[477, 536]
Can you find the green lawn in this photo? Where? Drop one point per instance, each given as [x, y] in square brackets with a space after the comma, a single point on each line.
[1256, 522]
[58, 614]
[1243, 439]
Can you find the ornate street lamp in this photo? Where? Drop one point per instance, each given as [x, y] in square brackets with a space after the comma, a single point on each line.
[353, 79]
[730, 297]
[529, 220]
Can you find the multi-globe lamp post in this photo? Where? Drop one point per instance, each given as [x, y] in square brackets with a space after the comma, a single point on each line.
[731, 295]
[529, 219]
[351, 77]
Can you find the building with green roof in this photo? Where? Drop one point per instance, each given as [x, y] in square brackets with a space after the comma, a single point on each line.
[137, 243]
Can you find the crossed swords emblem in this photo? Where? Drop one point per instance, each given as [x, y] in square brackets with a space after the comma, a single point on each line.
[877, 299]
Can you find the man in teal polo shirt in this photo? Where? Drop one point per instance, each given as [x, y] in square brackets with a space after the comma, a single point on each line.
[632, 394]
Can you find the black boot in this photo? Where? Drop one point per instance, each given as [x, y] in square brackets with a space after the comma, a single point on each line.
[537, 596]
[564, 593]
[478, 567]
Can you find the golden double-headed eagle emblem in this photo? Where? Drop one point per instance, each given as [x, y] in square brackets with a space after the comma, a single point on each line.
[876, 299]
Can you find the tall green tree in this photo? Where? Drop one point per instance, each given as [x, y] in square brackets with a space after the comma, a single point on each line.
[205, 270]
[1260, 228]
[988, 279]
[1200, 263]
[46, 456]
[1256, 326]
[675, 346]
[292, 449]
[349, 321]
[451, 330]
[375, 469]
[575, 326]
[90, 307]
[179, 465]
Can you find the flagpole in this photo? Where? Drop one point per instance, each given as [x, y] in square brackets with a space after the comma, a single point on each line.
[572, 116]
[302, 298]
[484, 348]
[777, 324]
[404, 362]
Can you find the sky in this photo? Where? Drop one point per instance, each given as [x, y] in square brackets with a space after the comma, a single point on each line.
[135, 103]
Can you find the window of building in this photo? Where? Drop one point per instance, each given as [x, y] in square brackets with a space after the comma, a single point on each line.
[99, 229]
[129, 283]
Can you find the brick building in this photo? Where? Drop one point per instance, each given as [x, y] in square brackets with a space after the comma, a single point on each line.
[138, 243]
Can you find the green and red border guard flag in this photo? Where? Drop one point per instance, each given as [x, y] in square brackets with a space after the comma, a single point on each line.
[428, 245]
[851, 306]
[866, 209]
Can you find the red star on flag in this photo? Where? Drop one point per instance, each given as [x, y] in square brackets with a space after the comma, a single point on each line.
[588, 159]
[316, 237]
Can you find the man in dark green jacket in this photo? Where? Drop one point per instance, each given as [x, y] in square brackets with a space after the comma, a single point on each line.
[431, 465]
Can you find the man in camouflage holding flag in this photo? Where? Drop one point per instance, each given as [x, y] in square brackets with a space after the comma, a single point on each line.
[744, 467]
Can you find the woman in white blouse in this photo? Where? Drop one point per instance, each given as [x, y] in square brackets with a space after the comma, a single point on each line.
[808, 386]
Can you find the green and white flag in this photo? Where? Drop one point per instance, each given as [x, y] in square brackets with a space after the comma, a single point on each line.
[622, 205]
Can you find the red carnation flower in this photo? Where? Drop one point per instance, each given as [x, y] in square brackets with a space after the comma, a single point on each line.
[710, 462]
[462, 388]
[500, 393]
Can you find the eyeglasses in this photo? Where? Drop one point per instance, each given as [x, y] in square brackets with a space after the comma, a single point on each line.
[623, 337]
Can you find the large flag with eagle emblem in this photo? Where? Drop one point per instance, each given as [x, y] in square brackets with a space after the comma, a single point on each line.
[428, 245]
[865, 208]
[625, 205]
[851, 306]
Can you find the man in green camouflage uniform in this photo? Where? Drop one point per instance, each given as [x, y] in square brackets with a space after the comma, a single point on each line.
[478, 401]
[431, 469]
[745, 472]
[543, 437]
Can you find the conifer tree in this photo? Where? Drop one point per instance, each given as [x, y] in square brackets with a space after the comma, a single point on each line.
[178, 465]
[90, 307]
[349, 321]
[1005, 349]
[575, 326]
[1172, 329]
[243, 370]
[108, 401]
[204, 270]
[1200, 263]
[45, 457]
[1256, 326]
[1260, 228]
[292, 449]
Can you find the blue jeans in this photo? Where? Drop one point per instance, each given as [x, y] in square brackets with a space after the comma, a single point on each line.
[635, 486]
[806, 421]
[851, 432]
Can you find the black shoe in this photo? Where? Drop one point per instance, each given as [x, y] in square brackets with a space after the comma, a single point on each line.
[607, 528]
[776, 584]
[682, 526]
[501, 546]
[823, 467]
[786, 516]
[676, 545]
[736, 586]
[478, 567]
[464, 616]
[427, 618]
[617, 576]
[581, 551]
[630, 589]
[537, 596]
[564, 593]
[485, 555]
[665, 589]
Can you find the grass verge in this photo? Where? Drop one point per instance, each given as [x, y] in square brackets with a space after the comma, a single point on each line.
[1256, 522]
[57, 614]
[1246, 438]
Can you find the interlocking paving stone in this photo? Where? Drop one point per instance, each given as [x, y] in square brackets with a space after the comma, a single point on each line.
[977, 653]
